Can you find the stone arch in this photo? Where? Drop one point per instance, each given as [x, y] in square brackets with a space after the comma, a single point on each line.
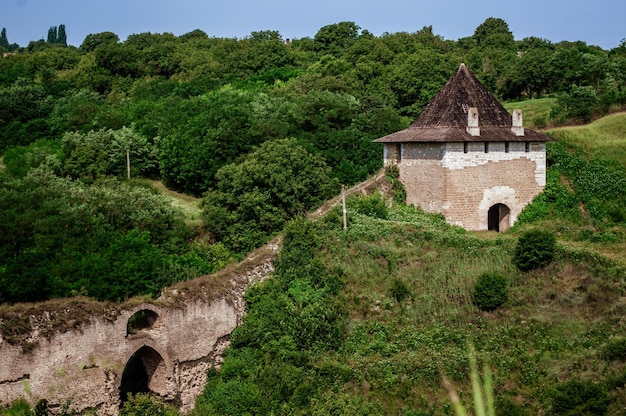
[499, 218]
[146, 371]
[143, 319]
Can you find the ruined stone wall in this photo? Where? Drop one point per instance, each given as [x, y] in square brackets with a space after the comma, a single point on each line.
[462, 181]
[84, 366]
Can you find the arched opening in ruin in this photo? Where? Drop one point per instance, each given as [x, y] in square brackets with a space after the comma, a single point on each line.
[143, 319]
[145, 372]
[499, 218]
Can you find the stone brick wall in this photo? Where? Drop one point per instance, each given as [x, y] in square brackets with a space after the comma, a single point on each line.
[462, 181]
[84, 366]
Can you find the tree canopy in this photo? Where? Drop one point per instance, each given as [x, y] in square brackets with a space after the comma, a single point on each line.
[262, 129]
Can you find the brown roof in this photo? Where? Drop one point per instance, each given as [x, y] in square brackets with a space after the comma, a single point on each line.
[444, 119]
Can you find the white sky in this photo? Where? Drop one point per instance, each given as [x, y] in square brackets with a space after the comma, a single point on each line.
[599, 22]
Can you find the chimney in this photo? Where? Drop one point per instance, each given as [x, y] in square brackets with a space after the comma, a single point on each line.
[518, 125]
[472, 122]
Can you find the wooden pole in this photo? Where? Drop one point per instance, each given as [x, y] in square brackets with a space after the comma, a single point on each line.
[343, 205]
[128, 162]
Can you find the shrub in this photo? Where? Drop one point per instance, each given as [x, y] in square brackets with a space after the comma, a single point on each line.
[535, 249]
[490, 291]
[615, 350]
[20, 407]
[370, 205]
[145, 404]
[399, 290]
[579, 398]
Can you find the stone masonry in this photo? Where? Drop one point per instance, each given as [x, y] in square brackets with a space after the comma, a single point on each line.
[184, 337]
[463, 183]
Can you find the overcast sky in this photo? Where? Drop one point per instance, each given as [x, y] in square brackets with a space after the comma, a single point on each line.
[598, 22]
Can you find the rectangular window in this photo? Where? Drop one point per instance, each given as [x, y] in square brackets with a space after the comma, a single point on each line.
[506, 147]
[398, 152]
[465, 146]
[527, 148]
[486, 147]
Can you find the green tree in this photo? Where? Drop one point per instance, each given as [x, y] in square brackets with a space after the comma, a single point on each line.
[52, 34]
[24, 107]
[490, 291]
[57, 236]
[494, 33]
[4, 41]
[100, 153]
[225, 125]
[335, 37]
[94, 40]
[61, 36]
[251, 200]
[578, 103]
[19, 160]
[76, 111]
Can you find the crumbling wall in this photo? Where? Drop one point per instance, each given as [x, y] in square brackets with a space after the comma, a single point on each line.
[84, 366]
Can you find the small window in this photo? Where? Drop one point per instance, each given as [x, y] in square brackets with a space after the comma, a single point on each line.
[486, 147]
[527, 147]
[398, 152]
[465, 147]
[506, 147]
[143, 319]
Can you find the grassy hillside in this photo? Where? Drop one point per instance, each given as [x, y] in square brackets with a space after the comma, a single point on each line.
[583, 202]
[406, 311]
[189, 205]
[604, 139]
[370, 319]
[402, 300]
[536, 112]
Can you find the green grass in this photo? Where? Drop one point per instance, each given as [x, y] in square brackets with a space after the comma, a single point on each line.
[604, 139]
[189, 205]
[396, 350]
[551, 329]
[410, 319]
[536, 112]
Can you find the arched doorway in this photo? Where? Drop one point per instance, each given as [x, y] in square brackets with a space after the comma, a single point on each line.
[499, 218]
[145, 372]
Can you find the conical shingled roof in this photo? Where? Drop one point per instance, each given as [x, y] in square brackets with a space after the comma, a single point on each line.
[445, 118]
[461, 92]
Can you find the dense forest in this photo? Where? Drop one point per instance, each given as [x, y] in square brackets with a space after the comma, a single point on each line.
[260, 128]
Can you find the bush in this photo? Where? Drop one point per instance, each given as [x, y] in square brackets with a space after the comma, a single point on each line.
[399, 290]
[254, 198]
[615, 350]
[145, 404]
[490, 291]
[579, 398]
[535, 249]
[370, 205]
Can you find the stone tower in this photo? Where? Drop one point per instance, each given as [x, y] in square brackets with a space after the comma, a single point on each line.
[467, 158]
